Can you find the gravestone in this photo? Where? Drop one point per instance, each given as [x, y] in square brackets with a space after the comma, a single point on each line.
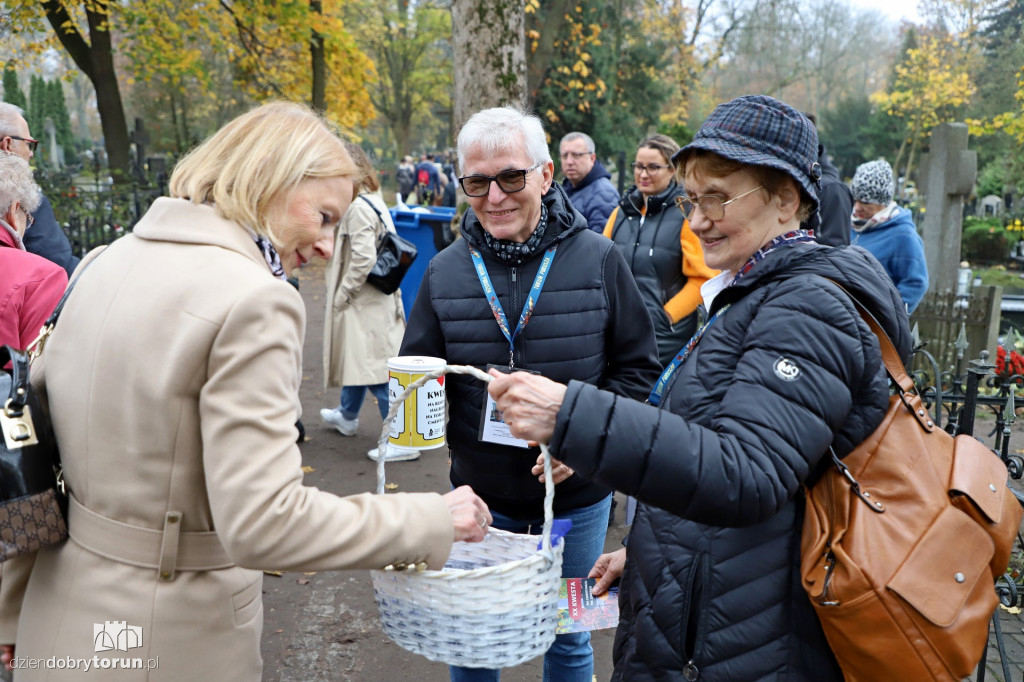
[947, 177]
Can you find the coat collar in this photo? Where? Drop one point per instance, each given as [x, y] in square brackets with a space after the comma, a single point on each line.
[184, 222]
[9, 236]
[633, 201]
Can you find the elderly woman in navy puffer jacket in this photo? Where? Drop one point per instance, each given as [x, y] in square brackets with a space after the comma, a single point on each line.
[783, 368]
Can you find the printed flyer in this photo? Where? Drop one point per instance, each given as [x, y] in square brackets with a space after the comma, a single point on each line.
[580, 611]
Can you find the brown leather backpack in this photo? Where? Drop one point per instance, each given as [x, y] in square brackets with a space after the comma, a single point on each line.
[902, 541]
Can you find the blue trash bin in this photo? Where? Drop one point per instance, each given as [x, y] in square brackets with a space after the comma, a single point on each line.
[430, 232]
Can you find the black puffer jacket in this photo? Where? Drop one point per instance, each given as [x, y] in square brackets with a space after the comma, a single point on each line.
[650, 243]
[588, 325]
[712, 576]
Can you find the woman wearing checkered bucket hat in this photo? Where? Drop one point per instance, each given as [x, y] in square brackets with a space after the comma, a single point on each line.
[781, 368]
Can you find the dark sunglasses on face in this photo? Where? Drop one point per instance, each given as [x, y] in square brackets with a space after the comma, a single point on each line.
[32, 144]
[509, 181]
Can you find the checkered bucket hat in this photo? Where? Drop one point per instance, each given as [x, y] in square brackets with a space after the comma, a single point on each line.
[762, 131]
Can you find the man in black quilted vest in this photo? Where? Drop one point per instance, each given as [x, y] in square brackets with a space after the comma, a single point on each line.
[528, 288]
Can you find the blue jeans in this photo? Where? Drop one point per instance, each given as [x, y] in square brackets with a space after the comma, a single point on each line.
[570, 658]
[352, 399]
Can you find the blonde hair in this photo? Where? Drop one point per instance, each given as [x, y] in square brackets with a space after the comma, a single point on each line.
[245, 166]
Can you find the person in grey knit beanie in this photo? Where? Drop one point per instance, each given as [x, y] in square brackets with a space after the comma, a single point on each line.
[873, 183]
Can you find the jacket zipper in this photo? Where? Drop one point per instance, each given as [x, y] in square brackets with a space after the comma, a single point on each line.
[691, 671]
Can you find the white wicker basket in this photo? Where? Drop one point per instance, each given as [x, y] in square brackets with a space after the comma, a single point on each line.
[494, 605]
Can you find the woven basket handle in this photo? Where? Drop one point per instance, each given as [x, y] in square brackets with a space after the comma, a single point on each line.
[549, 485]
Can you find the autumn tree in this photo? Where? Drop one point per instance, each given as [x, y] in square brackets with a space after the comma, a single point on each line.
[409, 44]
[489, 55]
[930, 86]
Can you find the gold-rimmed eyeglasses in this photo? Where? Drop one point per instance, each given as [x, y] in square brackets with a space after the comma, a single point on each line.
[509, 181]
[711, 205]
[29, 218]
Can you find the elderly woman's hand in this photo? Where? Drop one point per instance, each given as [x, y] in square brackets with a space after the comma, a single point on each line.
[607, 569]
[470, 516]
[529, 403]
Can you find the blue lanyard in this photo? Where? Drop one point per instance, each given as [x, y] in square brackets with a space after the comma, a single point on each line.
[531, 301]
[684, 352]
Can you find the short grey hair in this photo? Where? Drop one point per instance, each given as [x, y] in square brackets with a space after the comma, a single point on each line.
[500, 130]
[9, 115]
[576, 135]
[16, 184]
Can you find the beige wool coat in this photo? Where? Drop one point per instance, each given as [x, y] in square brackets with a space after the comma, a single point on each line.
[364, 327]
[173, 380]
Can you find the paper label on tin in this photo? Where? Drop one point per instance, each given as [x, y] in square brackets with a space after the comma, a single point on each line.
[430, 412]
[395, 389]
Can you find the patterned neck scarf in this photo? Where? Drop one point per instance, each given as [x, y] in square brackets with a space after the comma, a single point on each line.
[516, 253]
[270, 255]
[792, 237]
[883, 216]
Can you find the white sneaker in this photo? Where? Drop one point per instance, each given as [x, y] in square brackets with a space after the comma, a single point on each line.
[395, 454]
[346, 427]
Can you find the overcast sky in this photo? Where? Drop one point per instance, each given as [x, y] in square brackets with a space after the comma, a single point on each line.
[895, 9]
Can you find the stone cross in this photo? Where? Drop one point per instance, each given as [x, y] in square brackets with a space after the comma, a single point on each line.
[947, 177]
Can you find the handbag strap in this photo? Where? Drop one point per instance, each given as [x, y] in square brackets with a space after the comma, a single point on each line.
[380, 217]
[18, 395]
[891, 358]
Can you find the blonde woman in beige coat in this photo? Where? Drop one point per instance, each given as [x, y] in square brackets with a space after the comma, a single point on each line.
[173, 381]
[363, 326]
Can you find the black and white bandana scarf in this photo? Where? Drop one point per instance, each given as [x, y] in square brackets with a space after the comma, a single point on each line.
[516, 253]
[270, 255]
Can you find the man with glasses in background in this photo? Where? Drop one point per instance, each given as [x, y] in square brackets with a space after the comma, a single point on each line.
[46, 238]
[587, 182]
[530, 288]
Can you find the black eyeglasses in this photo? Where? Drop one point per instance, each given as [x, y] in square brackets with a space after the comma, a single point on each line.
[711, 205]
[651, 168]
[509, 182]
[32, 144]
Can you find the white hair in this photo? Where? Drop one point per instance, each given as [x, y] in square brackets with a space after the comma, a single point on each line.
[503, 130]
[16, 184]
[9, 115]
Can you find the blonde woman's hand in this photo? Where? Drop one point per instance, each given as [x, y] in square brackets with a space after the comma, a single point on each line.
[608, 569]
[559, 470]
[470, 515]
[528, 402]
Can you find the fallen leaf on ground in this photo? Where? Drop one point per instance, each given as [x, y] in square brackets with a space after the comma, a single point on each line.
[391, 486]
[274, 573]
[1010, 609]
[310, 573]
[308, 469]
[302, 581]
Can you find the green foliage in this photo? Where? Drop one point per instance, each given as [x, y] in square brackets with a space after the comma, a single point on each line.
[680, 132]
[985, 240]
[12, 91]
[604, 78]
[991, 180]
[34, 113]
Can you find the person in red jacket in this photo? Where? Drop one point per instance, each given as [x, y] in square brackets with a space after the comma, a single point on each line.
[30, 285]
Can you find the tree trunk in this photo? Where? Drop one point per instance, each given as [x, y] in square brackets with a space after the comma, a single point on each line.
[489, 46]
[318, 60]
[96, 60]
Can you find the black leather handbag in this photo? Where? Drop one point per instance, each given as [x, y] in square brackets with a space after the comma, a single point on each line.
[394, 256]
[32, 499]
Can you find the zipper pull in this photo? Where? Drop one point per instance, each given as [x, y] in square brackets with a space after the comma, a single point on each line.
[691, 672]
[513, 275]
[651, 252]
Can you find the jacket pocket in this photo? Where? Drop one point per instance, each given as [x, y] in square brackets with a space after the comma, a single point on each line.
[692, 621]
[248, 601]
